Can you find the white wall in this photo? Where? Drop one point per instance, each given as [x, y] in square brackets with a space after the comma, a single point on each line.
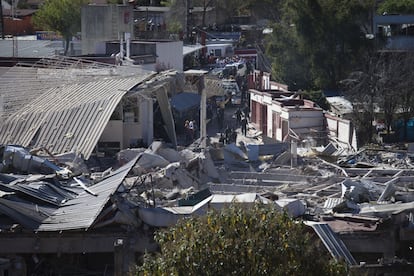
[132, 133]
[127, 132]
[311, 118]
[102, 23]
[341, 130]
[301, 121]
[147, 120]
[113, 132]
[170, 55]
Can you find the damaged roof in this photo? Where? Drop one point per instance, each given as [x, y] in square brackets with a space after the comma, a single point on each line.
[79, 212]
[63, 116]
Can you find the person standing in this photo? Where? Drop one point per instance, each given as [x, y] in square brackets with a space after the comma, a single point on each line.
[244, 125]
[187, 130]
[233, 136]
[191, 130]
[246, 111]
[238, 114]
[227, 135]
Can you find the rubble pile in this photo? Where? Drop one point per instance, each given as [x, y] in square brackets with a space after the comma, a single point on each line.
[361, 198]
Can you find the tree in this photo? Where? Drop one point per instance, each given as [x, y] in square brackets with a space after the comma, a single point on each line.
[383, 85]
[62, 16]
[289, 64]
[403, 80]
[329, 38]
[317, 97]
[362, 89]
[396, 6]
[236, 241]
[205, 5]
[177, 16]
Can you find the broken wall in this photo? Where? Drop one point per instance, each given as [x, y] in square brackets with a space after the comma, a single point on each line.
[342, 131]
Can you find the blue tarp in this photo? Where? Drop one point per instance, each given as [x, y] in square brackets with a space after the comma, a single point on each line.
[185, 101]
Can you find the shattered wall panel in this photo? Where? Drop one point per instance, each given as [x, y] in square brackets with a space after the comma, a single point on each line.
[166, 112]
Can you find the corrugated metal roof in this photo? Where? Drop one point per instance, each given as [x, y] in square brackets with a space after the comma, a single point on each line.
[334, 244]
[24, 82]
[19, 86]
[82, 211]
[77, 213]
[67, 117]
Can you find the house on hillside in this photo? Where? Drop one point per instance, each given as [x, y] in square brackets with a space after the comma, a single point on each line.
[18, 22]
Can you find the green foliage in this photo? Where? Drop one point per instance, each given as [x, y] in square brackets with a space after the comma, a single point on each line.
[168, 3]
[62, 16]
[289, 65]
[174, 27]
[115, 1]
[22, 5]
[325, 40]
[317, 97]
[237, 241]
[397, 6]
[234, 7]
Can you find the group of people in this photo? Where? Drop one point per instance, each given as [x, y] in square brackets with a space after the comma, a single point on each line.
[229, 136]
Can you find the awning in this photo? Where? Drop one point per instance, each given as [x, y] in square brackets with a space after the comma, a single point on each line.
[185, 101]
[188, 49]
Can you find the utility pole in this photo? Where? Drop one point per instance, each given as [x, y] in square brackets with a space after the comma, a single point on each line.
[1, 21]
[15, 46]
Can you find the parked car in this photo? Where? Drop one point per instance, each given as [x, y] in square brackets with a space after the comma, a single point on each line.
[230, 86]
[232, 89]
[235, 69]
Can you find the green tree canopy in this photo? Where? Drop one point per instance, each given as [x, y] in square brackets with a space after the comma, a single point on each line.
[236, 241]
[320, 39]
[397, 6]
[62, 16]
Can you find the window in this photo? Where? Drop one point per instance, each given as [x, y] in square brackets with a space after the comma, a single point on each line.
[131, 110]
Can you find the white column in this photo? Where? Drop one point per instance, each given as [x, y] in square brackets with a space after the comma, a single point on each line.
[128, 44]
[121, 46]
[203, 117]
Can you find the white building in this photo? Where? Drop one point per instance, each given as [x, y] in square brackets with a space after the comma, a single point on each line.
[282, 116]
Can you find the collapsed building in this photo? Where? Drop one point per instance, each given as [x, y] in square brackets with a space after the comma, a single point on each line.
[361, 212]
[66, 206]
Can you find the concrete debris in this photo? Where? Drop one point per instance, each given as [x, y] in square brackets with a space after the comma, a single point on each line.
[360, 190]
[369, 192]
[293, 207]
